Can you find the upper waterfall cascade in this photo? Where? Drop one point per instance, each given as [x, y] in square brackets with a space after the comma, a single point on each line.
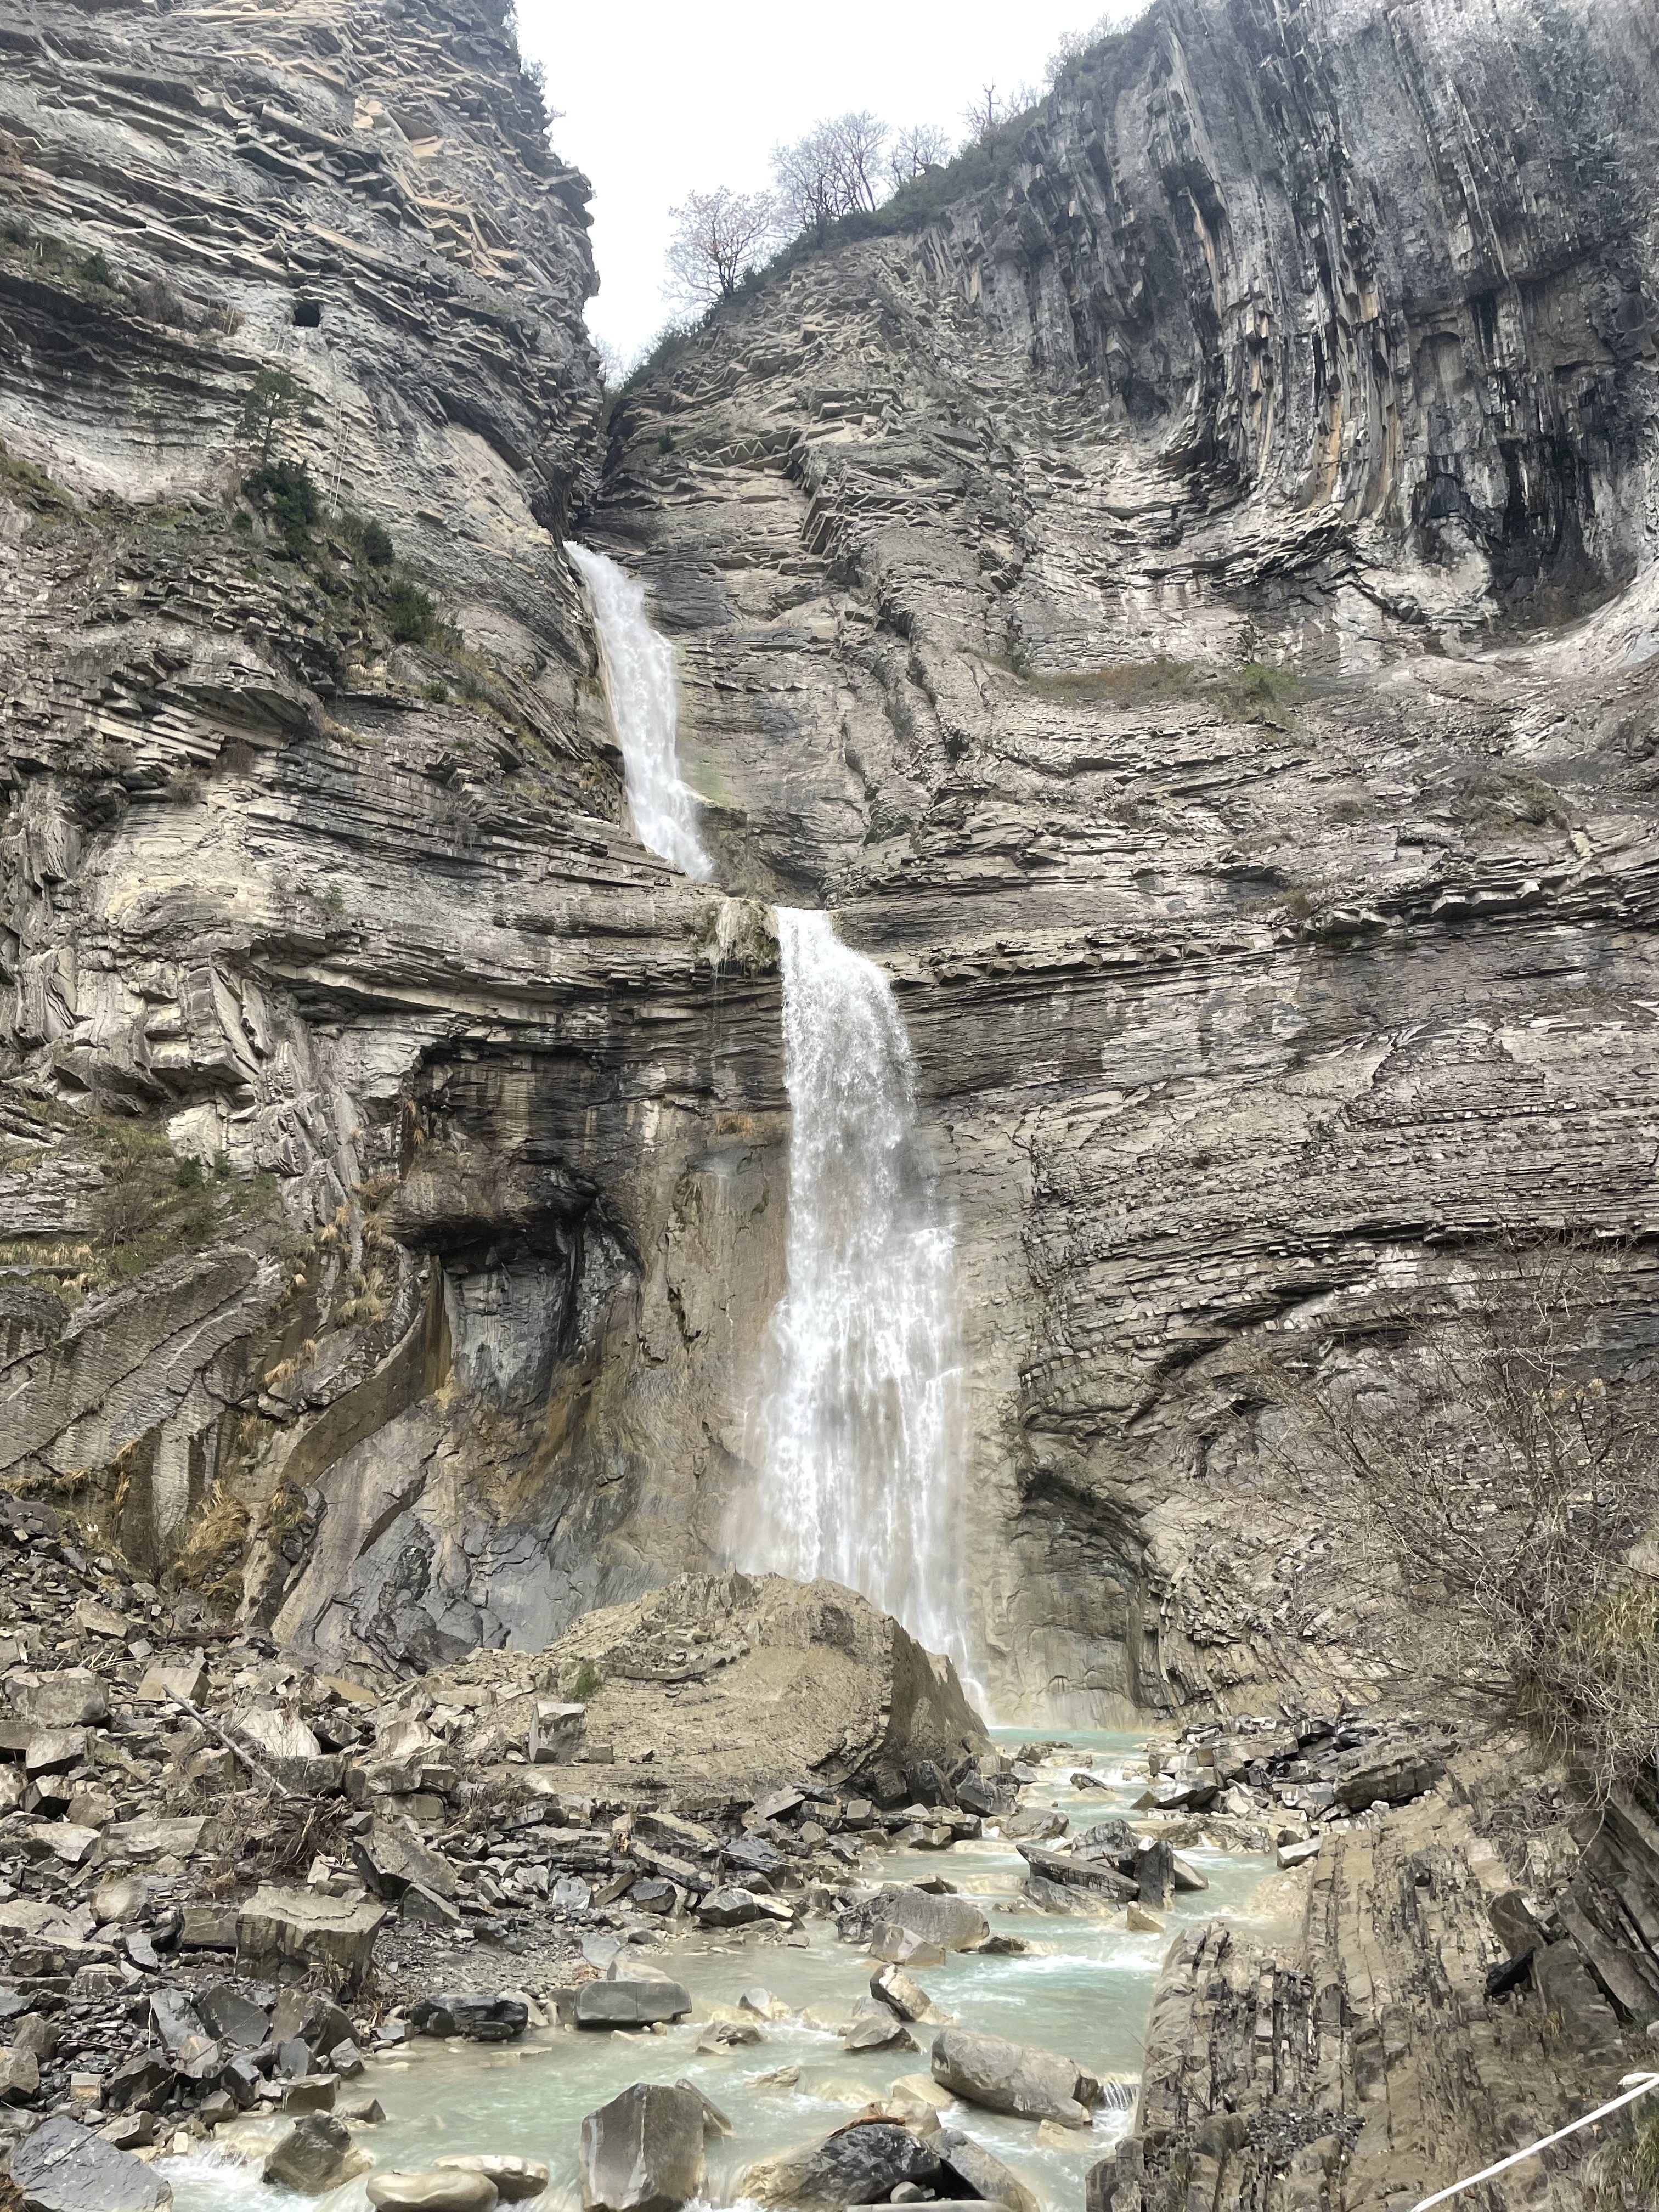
[639, 678]
[859, 1441]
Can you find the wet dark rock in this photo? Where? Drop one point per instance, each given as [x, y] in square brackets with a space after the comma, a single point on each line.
[313, 2155]
[479, 2018]
[643, 2152]
[62, 2167]
[860, 2164]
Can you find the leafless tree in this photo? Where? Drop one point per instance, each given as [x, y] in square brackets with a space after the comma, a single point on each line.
[832, 171]
[920, 147]
[1493, 1501]
[986, 115]
[717, 236]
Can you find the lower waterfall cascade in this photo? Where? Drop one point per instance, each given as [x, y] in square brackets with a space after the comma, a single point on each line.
[857, 1431]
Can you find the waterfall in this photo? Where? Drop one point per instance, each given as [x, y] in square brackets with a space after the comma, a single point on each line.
[859, 1439]
[639, 682]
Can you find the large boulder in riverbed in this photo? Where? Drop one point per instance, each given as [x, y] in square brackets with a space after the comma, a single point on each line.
[859, 2164]
[952, 1923]
[1013, 2077]
[643, 2151]
[795, 1679]
[315, 2154]
[63, 2167]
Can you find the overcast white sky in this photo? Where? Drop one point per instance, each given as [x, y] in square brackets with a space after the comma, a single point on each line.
[661, 97]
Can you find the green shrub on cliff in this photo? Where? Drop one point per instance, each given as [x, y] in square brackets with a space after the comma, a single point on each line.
[285, 494]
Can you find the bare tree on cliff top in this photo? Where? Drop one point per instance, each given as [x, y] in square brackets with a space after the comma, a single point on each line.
[830, 172]
[717, 236]
[920, 147]
[1492, 1500]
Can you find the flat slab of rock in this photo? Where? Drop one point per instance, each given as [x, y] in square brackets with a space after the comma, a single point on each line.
[1094, 1876]
[643, 2152]
[1011, 2077]
[65, 2167]
[515, 2179]
[630, 2004]
[434, 2188]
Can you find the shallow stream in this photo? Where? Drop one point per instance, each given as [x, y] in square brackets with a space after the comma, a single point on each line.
[1084, 1989]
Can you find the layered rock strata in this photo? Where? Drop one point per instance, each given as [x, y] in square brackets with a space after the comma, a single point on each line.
[374, 1107]
[1185, 596]
[1190, 605]
[1471, 1972]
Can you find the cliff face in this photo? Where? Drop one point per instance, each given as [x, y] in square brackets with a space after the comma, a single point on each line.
[361, 1076]
[1190, 605]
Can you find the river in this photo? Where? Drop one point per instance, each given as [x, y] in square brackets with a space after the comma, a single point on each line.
[1084, 1988]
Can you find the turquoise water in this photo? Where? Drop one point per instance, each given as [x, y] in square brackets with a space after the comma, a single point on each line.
[1086, 1990]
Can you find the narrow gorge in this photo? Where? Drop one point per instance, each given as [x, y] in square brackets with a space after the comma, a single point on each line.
[987, 938]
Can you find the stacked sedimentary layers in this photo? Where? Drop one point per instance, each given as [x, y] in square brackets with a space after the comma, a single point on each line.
[1191, 604]
[1185, 595]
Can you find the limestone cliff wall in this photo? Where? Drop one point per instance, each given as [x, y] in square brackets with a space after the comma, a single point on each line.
[380, 1132]
[1190, 602]
[1191, 606]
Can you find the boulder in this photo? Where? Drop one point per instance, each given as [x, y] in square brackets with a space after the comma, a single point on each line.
[951, 1923]
[314, 2155]
[63, 2167]
[874, 2028]
[276, 1734]
[164, 1684]
[1011, 2077]
[630, 2004]
[232, 2018]
[281, 1928]
[729, 1908]
[556, 1731]
[1098, 1876]
[643, 2152]
[54, 1751]
[392, 1861]
[1187, 1879]
[515, 2179]
[980, 2173]
[69, 1697]
[20, 2076]
[859, 2164]
[438, 2189]
[1390, 1778]
[1155, 1876]
[894, 1988]
[480, 2018]
[806, 1679]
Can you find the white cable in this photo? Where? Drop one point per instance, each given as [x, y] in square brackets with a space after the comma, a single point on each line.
[1643, 2083]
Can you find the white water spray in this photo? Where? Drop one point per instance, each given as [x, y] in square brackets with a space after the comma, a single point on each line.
[639, 682]
[858, 1442]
